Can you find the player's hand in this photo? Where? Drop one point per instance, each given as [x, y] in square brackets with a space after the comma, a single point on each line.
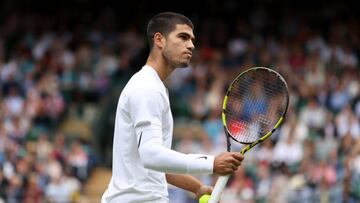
[227, 162]
[203, 190]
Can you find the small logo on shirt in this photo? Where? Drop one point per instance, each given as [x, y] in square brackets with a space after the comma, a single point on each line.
[202, 157]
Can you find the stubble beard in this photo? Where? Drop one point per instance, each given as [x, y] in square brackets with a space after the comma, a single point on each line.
[175, 63]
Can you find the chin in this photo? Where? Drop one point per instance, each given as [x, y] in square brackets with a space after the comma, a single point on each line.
[183, 65]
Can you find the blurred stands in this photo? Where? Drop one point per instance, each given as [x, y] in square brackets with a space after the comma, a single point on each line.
[63, 65]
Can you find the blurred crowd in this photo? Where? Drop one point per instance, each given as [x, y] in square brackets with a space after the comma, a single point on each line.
[50, 67]
[48, 73]
[315, 156]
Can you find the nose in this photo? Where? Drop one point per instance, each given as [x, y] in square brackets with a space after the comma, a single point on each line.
[191, 45]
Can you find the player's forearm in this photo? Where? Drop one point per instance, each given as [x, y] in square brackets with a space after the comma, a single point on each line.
[154, 156]
[185, 182]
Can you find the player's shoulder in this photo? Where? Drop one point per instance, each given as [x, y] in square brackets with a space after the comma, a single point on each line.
[145, 81]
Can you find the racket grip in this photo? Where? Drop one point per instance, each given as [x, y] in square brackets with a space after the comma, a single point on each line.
[219, 187]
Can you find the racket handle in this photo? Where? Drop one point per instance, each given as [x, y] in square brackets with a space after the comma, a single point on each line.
[219, 187]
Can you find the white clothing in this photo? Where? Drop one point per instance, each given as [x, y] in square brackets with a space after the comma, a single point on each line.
[289, 153]
[142, 144]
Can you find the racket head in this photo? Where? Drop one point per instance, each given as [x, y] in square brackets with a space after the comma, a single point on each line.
[255, 105]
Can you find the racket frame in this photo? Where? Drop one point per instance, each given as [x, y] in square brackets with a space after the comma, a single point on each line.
[222, 180]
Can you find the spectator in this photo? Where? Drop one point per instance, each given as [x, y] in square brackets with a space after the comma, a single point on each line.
[288, 151]
[78, 160]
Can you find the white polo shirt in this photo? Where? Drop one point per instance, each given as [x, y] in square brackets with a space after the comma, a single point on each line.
[144, 108]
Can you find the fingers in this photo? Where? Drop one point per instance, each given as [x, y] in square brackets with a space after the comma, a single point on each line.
[230, 169]
[227, 163]
[237, 158]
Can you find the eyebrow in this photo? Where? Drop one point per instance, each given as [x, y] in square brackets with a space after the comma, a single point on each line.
[187, 35]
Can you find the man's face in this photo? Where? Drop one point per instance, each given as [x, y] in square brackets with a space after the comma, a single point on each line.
[179, 46]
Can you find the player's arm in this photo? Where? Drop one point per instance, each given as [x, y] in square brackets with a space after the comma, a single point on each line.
[146, 111]
[188, 183]
[154, 156]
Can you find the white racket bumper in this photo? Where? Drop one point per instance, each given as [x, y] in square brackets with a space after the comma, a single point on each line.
[219, 187]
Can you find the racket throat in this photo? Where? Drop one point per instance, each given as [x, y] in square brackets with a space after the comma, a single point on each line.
[228, 143]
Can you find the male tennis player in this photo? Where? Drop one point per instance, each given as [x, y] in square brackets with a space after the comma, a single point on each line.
[143, 162]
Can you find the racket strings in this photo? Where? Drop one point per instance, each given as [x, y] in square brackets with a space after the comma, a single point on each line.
[256, 101]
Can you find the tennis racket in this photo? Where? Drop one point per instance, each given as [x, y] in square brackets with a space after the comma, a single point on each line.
[253, 108]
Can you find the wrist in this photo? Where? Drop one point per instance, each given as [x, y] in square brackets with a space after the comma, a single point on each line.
[203, 189]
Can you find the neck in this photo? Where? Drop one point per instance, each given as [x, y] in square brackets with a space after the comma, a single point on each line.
[162, 68]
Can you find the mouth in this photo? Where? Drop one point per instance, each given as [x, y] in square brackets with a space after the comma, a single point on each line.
[188, 54]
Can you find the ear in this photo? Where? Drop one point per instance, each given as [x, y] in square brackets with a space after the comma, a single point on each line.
[159, 40]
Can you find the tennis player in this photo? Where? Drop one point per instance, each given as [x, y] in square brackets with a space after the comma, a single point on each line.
[143, 161]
